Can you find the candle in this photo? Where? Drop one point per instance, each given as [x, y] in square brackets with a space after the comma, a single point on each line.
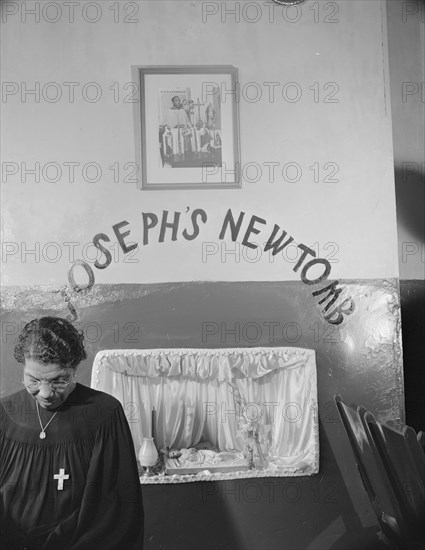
[153, 423]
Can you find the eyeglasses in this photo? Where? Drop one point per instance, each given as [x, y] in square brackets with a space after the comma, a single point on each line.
[57, 385]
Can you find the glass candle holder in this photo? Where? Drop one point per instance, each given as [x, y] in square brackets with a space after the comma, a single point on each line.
[148, 455]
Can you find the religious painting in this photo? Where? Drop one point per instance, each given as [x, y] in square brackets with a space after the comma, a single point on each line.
[190, 127]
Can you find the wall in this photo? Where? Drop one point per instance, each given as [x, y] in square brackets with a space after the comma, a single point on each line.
[346, 121]
[360, 360]
[164, 296]
[406, 47]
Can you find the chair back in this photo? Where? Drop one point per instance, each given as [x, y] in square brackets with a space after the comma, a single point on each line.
[374, 476]
[401, 470]
[421, 440]
[416, 452]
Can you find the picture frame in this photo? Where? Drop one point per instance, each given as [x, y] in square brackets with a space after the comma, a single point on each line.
[189, 123]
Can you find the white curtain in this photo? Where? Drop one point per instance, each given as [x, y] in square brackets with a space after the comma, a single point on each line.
[191, 392]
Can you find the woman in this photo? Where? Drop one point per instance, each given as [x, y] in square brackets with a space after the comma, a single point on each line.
[68, 471]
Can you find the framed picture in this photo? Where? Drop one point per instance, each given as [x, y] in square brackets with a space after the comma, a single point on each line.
[190, 127]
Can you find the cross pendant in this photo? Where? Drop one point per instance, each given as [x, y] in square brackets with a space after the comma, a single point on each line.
[60, 477]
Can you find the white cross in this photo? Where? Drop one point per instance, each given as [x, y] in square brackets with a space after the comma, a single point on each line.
[60, 477]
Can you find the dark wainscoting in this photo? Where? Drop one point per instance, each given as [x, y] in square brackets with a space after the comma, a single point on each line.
[413, 336]
[360, 359]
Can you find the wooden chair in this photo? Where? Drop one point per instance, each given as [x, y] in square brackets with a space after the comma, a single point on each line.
[405, 480]
[421, 440]
[416, 453]
[374, 477]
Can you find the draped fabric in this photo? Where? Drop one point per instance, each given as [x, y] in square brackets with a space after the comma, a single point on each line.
[191, 392]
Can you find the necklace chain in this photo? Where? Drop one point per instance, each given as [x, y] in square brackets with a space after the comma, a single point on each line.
[43, 428]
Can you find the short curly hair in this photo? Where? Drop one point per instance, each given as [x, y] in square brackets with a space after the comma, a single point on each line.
[51, 340]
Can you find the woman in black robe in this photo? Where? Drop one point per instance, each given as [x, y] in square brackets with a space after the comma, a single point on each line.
[68, 471]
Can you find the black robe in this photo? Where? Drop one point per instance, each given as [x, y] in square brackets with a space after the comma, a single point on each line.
[100, 505]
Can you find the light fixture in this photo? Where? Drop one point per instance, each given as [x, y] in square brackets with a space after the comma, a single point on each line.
[288, 2]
